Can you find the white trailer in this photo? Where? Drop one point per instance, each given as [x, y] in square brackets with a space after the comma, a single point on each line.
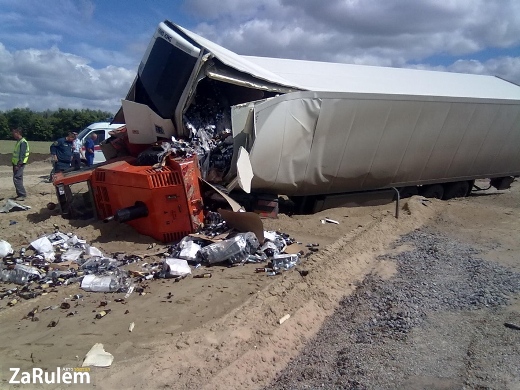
[315, 128]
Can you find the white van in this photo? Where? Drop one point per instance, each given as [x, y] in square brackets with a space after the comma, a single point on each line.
[101, 129]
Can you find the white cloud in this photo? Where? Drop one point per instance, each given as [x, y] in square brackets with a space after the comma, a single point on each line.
[57, 73]
[42, 79]
[505, 67]
[104, 56]
[24, 39]
[243, 9]
[323, 30]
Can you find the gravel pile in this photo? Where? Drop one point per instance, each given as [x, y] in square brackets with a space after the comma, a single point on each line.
[367, 343]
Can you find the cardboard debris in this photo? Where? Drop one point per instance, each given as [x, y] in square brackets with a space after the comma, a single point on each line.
[98, 357]
[205, 237]
[65, 265]
[235, 206]
[244, 222]
[294, 248]
[144, 125]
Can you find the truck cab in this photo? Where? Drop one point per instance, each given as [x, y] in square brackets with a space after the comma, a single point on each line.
[101, 129]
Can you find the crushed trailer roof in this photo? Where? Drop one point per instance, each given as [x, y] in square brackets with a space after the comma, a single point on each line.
[338, 77]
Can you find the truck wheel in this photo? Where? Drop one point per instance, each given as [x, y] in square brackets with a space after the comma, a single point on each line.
[407, 192]
[433, 191]
[458, 189]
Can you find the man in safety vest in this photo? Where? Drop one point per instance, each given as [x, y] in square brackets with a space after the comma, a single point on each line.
[20, 158]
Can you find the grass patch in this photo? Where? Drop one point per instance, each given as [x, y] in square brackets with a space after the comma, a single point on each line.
[42, 147]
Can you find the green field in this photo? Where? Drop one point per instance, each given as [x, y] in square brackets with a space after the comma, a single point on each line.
[41, 147]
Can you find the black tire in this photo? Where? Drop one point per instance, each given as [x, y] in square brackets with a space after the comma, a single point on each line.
[303, 204]
[458, 189]
[407, 192]
[433, 191]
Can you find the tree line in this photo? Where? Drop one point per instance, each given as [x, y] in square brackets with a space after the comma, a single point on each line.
[48, 125]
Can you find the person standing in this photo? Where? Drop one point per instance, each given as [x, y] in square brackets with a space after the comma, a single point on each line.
[20, 158]
[61, 151]
[76, 152]
[90, 144]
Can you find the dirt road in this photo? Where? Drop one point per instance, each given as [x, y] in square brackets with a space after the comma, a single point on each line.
[438, 322]
[223, 332]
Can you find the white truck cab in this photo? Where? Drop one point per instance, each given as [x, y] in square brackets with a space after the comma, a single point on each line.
[101, 129]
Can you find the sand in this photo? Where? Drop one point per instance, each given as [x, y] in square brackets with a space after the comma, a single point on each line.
[218, 333]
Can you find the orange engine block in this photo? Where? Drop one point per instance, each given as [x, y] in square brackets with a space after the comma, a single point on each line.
[171, 195]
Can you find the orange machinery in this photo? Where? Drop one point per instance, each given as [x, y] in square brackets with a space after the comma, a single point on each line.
[163, 203]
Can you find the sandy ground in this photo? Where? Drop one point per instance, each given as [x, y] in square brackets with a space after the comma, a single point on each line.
[223, 332]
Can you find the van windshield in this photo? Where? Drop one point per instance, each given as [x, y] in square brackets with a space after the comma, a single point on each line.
[84, 132]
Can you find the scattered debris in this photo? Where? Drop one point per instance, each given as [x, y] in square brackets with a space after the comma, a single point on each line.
[5, 248]
[32, 313]
[303, 272]
[284, 261]
[108, 283]
[263, 269]
[62, 259]
[204, 275]
[98, 357]
[176, 267]
[511, 326]
[11, 205]
[284, 318]
[102, 313]
[52, 324]
[328, 220]
[131, 327]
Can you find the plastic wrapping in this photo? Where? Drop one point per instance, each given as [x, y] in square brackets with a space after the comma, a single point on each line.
[176, 267]
[234, 250]
[108, 283]
[44, 246]
[284, 262]
[21, 274]
[5, 248]
[189, 250]
[99, 264]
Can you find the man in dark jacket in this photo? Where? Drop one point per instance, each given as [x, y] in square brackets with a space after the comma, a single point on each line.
[20, 158]
[61, 151]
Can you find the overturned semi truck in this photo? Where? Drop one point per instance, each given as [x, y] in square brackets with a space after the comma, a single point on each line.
[311, 130]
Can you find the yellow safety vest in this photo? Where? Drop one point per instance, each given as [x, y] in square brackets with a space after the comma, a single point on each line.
[16, 152]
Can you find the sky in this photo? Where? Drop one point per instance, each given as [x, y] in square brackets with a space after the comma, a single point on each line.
[85, 53]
